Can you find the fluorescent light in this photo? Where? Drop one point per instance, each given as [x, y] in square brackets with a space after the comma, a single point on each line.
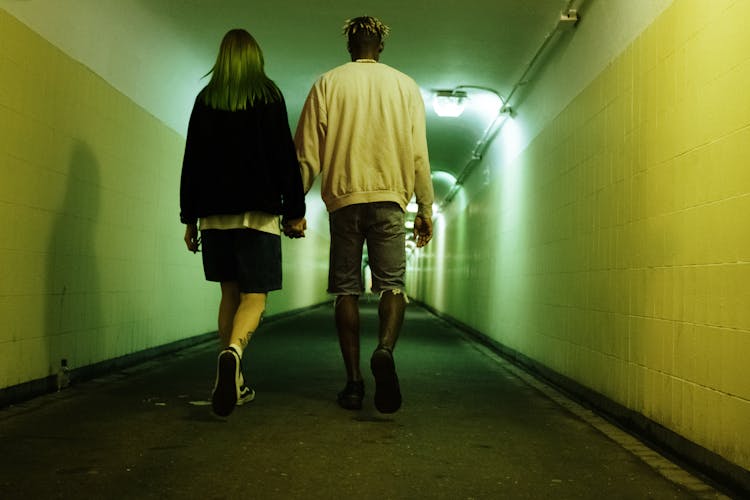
[449, 103]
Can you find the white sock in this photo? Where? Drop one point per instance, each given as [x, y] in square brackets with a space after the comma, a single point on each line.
[237, 348]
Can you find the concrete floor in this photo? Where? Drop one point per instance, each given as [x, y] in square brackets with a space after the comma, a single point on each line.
[470, 428]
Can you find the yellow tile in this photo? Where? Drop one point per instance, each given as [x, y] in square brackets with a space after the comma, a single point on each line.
[742, 237]
[738, 295]
[684, 408]
[7, 67]
[634, 389]
[33, 358]
[684, 352]
[727, 119]
[20, 181]
[689, 295]
[733, 152]
[712, 345]
[665, 33]
[33, 235]
[704, 281]
[734, 367]
[13, 36]
[731, 33]
[741, 296]
[666, 333]
[684, 25]
[650, 47]
[737, 79]
[739, 10]
[731, 222]
[6, 21]
[706, 412]
[735, 427]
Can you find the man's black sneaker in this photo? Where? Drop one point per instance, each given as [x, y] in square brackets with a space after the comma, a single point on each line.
[351, 397]
[387, 391]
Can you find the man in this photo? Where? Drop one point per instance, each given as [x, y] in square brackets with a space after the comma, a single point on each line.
[363, 129]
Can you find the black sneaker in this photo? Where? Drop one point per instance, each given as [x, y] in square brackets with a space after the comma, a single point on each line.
[351, 397]
[387, 391]
[246, 395]
[227, 389]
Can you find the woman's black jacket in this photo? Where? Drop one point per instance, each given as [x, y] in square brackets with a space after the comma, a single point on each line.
[238, 161]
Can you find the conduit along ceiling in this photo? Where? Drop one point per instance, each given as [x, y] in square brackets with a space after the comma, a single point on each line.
[158, 51]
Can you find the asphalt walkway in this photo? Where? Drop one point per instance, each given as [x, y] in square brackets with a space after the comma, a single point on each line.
[471, 426]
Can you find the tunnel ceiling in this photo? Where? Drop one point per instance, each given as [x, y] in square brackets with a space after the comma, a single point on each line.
[157, 51]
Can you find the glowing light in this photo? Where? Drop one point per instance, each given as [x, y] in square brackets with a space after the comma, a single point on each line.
[487, 104]
[449, 103]
[513, 140]
[443, 176]
[482, 101]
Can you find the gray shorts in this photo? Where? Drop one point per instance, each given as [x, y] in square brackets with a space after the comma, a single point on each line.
[381, 225]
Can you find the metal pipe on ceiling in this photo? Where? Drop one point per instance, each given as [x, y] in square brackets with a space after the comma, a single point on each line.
[568, 19]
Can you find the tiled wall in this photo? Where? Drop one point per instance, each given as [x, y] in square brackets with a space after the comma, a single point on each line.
[616, 248]
[92, 261]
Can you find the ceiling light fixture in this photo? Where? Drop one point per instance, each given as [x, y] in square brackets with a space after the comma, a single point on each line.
[449, 103]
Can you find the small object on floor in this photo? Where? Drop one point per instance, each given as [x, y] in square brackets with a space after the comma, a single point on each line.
[199, 403]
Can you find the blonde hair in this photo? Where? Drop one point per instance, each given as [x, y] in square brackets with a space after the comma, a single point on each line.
[238, 79]
[365, 26]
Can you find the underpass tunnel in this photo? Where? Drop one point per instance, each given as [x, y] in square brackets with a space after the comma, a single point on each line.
[590, 166]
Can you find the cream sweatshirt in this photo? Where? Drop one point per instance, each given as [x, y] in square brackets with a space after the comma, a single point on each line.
[363, 129]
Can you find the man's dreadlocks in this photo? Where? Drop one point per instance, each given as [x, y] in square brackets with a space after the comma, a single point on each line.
[365, 27]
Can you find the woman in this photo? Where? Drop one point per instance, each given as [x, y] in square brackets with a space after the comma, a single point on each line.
[239, 174]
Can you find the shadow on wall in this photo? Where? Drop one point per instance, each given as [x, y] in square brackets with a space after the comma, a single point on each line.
[73, 312]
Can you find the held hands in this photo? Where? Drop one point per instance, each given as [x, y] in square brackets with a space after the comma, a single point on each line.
[294, 228]
[422, 230]
[192, 240]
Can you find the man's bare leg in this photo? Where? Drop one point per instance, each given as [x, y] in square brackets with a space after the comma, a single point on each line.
[391, 313]
[347, 327]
